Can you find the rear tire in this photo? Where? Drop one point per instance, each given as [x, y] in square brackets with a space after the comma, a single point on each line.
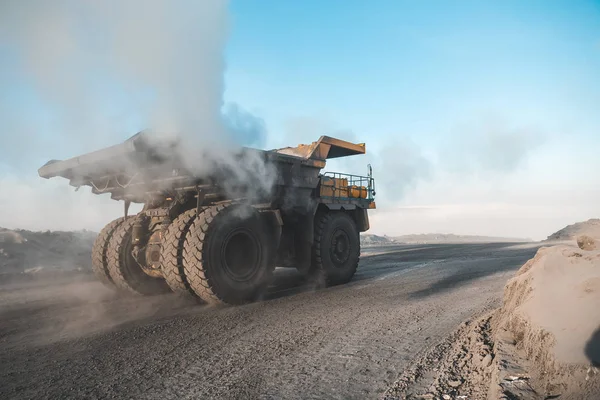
[228, 255]
[171, 255]
[99, 250]
[124, 270]
[336, 251]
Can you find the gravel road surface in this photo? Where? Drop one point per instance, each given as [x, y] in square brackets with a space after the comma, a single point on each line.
[73, 339]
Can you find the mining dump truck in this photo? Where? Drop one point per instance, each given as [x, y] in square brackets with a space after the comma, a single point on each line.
[217, 234]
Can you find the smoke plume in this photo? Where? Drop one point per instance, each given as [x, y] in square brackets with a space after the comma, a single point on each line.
[489, 145]
[99, 71]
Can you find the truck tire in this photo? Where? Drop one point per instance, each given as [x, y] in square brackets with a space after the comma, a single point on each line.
[336, 250]
[99, 262]
[228, 255]
[171, 255]
[124, 270]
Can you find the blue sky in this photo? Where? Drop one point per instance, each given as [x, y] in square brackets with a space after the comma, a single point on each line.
[436, 76]
[479, 116]
[415, 67]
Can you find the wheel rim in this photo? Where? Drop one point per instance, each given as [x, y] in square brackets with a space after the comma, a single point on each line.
[240, 255]
[340, 247]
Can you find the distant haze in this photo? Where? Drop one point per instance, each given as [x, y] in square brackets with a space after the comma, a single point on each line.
[480, 118]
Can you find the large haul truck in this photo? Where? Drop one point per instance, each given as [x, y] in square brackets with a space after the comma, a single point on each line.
[218, 235]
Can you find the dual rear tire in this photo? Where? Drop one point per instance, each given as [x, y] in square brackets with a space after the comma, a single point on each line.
[124, 270]
[113, 263]
[228, 255]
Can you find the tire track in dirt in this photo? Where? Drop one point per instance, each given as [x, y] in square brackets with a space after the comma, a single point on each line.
[345, 342]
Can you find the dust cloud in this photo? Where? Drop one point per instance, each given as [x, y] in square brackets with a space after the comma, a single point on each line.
[476, 147]
[93, 73]
[489, 145]
[65, 307]
[46, 276]
[164, 58]
[82, 75]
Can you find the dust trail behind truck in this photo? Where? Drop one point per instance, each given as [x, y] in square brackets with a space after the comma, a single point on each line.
[217, 236]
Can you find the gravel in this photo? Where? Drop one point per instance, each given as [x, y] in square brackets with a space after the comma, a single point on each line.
[73, 338]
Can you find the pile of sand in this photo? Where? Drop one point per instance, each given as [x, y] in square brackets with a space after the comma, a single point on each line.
[543, 343]
[26, 251]
[547, 333]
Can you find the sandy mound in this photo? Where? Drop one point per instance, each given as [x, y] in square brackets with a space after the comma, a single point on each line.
[26, 251]
[590, 228]
[543, 343]
[547, 332]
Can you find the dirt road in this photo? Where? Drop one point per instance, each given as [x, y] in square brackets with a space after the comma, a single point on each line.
[75, 340]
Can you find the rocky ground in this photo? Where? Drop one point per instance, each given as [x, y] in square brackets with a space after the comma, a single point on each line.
[542, 343]
[74, 339]
[428, 321]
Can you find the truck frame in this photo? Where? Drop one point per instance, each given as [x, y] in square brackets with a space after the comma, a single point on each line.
[218, 235]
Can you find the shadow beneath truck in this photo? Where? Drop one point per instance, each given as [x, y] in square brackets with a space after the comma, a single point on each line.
[287, 282]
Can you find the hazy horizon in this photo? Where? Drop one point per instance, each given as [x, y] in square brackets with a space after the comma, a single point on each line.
[479, 118]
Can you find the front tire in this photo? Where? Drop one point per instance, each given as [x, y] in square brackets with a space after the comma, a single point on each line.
[228, 255]
[336, 251]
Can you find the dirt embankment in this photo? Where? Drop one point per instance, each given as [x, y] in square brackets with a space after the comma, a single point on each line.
[547, 332]
[543, 343]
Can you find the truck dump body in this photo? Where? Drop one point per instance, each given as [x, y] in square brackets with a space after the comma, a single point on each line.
[141, 166]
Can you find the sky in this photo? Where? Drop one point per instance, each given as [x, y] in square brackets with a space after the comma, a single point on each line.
[478, 117]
